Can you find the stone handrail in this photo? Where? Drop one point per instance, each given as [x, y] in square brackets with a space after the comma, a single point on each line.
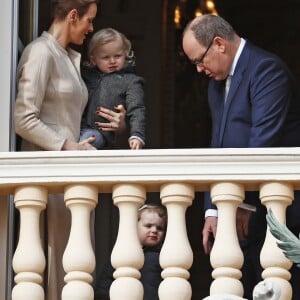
[177, 174]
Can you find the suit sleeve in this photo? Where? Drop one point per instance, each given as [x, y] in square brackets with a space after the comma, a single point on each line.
[207, 202]
[270, 93]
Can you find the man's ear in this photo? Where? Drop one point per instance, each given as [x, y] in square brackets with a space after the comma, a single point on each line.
[220, 42]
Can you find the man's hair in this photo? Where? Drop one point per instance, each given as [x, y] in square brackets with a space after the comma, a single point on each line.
[207, 27]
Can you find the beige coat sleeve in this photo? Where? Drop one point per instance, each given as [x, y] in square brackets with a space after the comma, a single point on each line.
[35, 70]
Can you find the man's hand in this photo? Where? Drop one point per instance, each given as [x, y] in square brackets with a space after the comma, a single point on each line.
[209, 233]
[242, 222]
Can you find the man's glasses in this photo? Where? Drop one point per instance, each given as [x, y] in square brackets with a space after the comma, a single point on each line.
[199, 61]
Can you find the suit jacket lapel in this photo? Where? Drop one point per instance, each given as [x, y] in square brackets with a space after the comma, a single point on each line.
[235, 83]
[216, 97]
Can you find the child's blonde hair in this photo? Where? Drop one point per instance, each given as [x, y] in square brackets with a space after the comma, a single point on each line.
[105, 36]
[159, 209]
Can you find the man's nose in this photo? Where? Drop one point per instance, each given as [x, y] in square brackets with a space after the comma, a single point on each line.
[199, 68]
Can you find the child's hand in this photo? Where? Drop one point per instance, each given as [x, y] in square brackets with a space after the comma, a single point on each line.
[135, 144]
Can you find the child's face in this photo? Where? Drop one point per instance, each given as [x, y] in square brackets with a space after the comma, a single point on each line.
[151, 229]
[109, 57]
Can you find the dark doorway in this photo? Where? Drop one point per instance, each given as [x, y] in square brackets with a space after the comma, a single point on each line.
[177, 110]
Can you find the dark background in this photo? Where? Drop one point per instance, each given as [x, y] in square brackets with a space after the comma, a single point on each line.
[176, 95]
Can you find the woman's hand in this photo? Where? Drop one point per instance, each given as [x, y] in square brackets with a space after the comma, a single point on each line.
[83, 145]
[116, 119]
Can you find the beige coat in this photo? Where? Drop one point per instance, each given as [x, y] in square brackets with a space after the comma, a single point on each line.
[50, 101]
[51, 95]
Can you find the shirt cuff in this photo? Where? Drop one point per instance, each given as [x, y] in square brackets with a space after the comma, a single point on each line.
[211, 213]
[138, 138]
[248, 207]
[214, 212]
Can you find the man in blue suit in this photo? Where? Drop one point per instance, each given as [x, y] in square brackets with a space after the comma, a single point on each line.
[254, 102]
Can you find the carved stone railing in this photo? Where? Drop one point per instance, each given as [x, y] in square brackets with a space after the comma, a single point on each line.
[129, 175]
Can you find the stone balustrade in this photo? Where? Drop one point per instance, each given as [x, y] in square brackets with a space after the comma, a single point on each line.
[129, 175]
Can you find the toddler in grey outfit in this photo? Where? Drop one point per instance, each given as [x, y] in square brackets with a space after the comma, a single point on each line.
[111, 81]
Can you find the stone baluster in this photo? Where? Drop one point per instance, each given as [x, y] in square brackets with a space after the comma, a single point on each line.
[226, 256]
[277, 196]
[29, 259]
[79, 258]
[176, 255]
[127, 256]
